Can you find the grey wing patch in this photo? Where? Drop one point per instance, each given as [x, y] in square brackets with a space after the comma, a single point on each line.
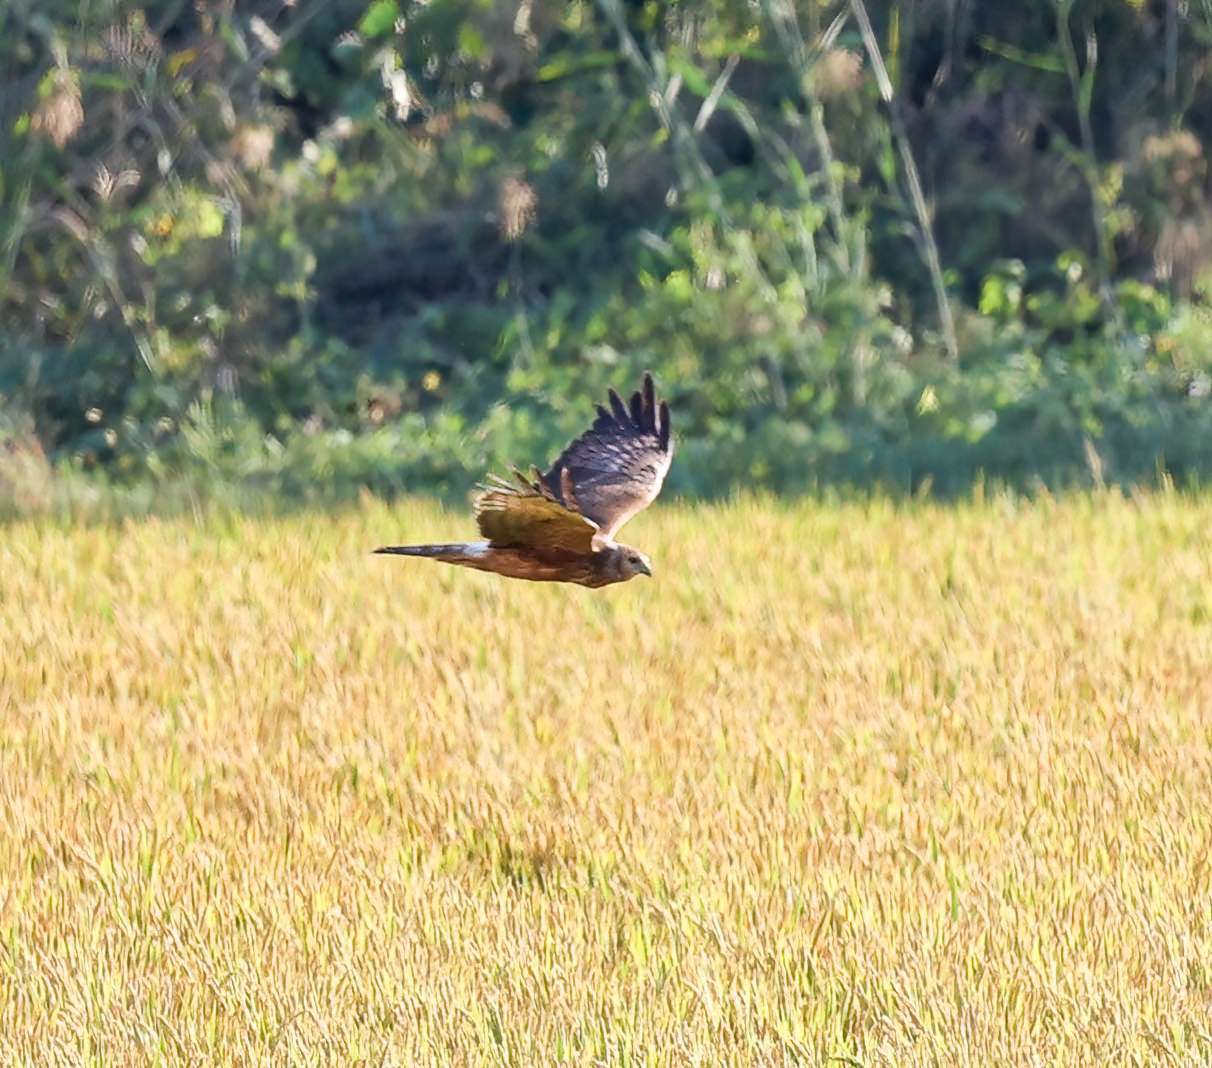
[616, 468]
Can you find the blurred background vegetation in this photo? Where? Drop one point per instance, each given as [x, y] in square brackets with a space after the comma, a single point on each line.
[305, 247]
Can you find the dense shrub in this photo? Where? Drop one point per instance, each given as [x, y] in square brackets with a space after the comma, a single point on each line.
[313, 248]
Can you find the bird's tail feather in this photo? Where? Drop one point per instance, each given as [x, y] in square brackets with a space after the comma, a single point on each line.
[453, 553]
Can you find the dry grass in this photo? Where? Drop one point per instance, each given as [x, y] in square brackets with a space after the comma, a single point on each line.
[860, 785]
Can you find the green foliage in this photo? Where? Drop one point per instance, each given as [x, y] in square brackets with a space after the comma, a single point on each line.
[322, 247]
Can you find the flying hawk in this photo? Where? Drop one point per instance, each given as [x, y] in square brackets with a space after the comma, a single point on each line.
[560, 526]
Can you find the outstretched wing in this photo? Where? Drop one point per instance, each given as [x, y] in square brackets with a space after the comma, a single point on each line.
[615, 469]
[528, 515]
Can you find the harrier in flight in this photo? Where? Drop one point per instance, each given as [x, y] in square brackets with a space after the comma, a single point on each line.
[560, 526]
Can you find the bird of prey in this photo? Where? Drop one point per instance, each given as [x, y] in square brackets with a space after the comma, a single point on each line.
[559, 526]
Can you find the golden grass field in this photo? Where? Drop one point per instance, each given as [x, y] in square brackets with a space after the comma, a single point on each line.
[858, 784]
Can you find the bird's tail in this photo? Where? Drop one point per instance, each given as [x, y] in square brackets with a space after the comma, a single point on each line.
[454, 553]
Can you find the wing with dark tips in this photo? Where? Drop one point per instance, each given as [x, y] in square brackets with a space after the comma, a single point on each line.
[616, 468]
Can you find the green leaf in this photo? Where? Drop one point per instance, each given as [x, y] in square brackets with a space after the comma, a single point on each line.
[1037, 60]
[471, 41]
[101, 80]
[234, 40]
[1086, 90]
[567, 63]
[379, 18]
[993, 295]
[696, 81]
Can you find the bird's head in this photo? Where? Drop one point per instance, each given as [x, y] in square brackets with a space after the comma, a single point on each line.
[631, 562]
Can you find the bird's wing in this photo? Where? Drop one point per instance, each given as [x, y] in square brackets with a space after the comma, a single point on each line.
[615, 469]
[528, 515]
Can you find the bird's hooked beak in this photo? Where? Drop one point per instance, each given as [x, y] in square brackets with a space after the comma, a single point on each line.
[645, 567]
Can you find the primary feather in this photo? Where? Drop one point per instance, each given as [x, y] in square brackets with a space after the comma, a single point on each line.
[617, 467]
